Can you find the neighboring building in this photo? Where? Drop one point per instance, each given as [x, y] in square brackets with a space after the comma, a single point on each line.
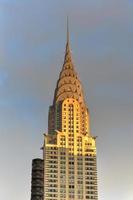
[70, 171]
[37, 183]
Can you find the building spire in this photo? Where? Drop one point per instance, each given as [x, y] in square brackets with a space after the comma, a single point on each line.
[68, 32]
[68, 58]
[68, 52]
[68, 84]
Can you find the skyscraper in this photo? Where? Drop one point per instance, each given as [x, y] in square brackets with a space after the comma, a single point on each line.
[69, 151]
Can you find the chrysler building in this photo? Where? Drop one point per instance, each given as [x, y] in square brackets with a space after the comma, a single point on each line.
[68, 169]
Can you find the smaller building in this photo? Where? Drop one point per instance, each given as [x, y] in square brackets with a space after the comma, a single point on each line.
[37, 183]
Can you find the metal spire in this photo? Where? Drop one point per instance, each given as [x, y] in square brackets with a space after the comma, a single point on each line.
[68, 39]
[68, 84]
[67, 32]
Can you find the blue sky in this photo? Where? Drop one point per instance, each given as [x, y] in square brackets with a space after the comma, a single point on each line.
[32, 45]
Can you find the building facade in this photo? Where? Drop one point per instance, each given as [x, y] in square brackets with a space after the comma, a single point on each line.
[69, 151]
[37, 182]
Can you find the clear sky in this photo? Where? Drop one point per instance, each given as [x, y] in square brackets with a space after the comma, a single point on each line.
[32, 45]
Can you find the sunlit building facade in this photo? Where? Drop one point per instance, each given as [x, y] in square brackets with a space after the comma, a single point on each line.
[69, 151]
